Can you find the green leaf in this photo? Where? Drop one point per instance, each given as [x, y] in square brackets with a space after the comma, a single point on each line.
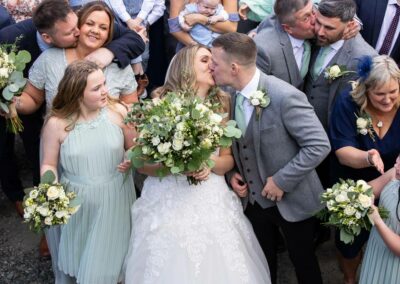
[75, 202]
[13, 88]
[7, 94]
[20, 66]
[48, 177]
[210, 163]
[162, 172]
[16, 76]
[346, 237]
[195, 114]
[4, 107]
[175, 170]
[20, 83]
[225, 142]
[24, 56]
[28, 190]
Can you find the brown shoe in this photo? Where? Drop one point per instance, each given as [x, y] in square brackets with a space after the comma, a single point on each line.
[43, 248]
[142, 82]
[19, 208]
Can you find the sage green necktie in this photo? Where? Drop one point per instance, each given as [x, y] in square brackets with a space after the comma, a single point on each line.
[239, 113]
[319, 62]
[305, 60]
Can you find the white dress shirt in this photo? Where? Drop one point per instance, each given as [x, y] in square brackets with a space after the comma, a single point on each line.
[335, 47]
[387, 20]
[247, 91]
[298, 49]
[150, 12]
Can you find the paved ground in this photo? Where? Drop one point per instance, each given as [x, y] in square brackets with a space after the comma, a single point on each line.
[20, 263]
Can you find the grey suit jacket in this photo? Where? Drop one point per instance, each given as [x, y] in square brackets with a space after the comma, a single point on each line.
[348, 55]
[275, 53]
[289, 142]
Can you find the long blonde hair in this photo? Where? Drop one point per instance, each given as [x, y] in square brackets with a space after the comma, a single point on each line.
[383, 69]
[182, 76]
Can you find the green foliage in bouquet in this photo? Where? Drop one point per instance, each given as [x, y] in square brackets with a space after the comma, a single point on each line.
[12, 81]
[48, 204]
[179, 131]
[348, 204]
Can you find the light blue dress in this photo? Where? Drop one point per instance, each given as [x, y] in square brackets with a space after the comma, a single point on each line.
[380, 264]
[94, 243]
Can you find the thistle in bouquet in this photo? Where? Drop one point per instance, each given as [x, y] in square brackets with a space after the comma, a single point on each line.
[180, 132]
[48, 204]
[12, 82]
[348, 205]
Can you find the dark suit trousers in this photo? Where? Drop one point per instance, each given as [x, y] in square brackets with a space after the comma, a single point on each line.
[9, 178]
[299, 241]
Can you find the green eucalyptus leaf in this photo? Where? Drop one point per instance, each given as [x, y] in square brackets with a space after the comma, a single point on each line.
[48, 177]
[195, 114]
[225, 142]
[4, 107]
[16, 76]
[7, 93]
[175, 170]
[13, 88]
[24, 56]
[20, 66]
[346, 237]
[20, 83]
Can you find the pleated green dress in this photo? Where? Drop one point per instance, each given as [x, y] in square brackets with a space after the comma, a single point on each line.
[94, 242]
[381, 265]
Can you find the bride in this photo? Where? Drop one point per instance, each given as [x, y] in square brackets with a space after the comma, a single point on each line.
[193, 234]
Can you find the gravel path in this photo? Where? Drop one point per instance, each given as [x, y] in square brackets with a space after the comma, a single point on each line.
[20, 262]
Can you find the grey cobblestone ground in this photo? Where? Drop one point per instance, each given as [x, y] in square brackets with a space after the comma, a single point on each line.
[21, 264]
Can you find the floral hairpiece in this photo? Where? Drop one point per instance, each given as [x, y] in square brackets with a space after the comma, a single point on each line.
[364, 67]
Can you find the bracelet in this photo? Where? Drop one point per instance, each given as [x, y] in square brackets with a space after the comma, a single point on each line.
[370, 163]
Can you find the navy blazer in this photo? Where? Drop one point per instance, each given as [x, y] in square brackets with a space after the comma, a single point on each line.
[125, 46]
[371, 13]
[5, 18]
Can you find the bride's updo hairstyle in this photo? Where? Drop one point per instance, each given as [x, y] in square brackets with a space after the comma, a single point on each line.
[181, 76]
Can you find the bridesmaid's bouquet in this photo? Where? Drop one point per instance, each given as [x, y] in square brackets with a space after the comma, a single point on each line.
[348, 205]
[179, 131]
[48, 204]
[12, 82]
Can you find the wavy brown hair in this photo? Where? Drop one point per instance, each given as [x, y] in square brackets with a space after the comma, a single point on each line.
[91, 7]
[182, 76]
[66, 104]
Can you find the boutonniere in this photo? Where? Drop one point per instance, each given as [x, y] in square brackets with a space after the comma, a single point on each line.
[364, 125]
[259, 99]
[335, 71]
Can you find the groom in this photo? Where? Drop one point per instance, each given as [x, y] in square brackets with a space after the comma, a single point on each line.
[282, 143]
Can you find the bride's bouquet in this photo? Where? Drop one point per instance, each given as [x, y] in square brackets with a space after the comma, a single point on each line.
[180, 132]
[48, 204]
[348, 204]
[12, 82]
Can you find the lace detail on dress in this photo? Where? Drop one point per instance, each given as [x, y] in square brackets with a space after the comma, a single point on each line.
[91, 124]
[172, 216]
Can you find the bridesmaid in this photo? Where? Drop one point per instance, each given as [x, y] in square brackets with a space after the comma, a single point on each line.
[85, 136]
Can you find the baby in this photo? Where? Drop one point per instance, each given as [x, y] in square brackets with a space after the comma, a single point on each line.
[209, 8]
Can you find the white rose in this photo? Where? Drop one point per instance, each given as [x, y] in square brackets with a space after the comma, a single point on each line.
[186, 143]
[53, 193]
[163, 148]
[177, 144]
[363, 184]
[145, 150]
[27, 215]
[349, 210]
[216, 118]
[61, 214]
[201, 108]
[257, 95]
[33, 193]
[361, 123]
[334, 71]
[255, 102]
[364, 131]
[30, 209]
[358, 215]
[206, 143]
[180, 126]
[342, 197]
[330, 204]
[155, 141]
[365, 200]
[344, 187]
[48, 220]
[44, 211]
[4, 72]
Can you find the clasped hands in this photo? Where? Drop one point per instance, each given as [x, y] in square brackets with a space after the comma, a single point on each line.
[270, 191]
[201, 174]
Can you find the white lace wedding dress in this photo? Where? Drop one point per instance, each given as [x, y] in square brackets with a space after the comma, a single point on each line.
[186, 234]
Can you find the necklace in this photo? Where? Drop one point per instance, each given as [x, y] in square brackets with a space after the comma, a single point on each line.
[379, 124]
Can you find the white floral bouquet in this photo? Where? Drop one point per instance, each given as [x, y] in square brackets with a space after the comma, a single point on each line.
[48, 204]
[348, 204]
[12, 81]
[180, 132]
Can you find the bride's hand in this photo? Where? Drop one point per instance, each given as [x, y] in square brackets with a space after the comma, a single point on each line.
[201, 174]
[124, 166]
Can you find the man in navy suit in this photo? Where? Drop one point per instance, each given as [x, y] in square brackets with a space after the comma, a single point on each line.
[5, 18]
[54, 24]
[377, 17]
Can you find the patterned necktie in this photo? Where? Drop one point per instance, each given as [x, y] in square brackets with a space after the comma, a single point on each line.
[319, 62]
[239, 113]
[387, 42]
[305, 61]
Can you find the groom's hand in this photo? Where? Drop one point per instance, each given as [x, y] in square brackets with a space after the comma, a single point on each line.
[238, 185]
[272, 191]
